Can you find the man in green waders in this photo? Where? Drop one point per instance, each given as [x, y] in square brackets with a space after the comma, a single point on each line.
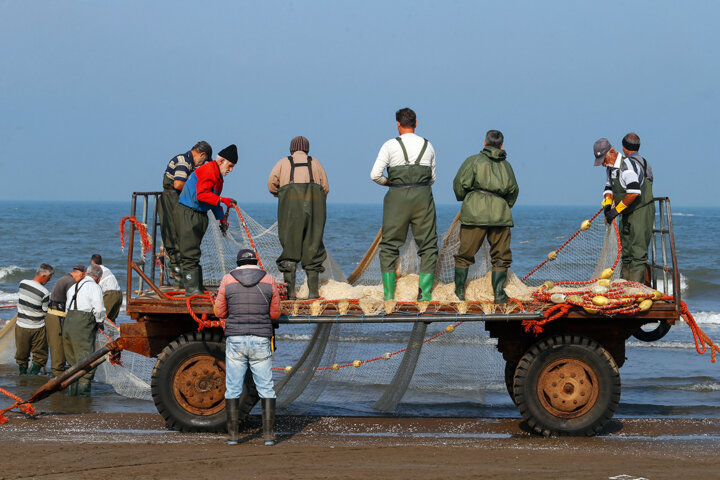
[200, 194]
[176, 174]
[301, 185]
[487, 187]
[409, 203]
[628, 193]
[85, 314]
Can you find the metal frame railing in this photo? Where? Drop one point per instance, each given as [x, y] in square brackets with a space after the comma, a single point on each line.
[667, 242]
[145, 272]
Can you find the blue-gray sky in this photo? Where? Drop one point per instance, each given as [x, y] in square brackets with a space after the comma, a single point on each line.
[96, 96]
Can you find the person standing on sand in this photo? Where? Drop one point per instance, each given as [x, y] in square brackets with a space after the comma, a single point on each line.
[627, 193]
[56, 312]
[249, 301]
[301, 185]
[409, 202]
[85, 314]
[200, 194]
[112, 295]
[30, 337]
[486, 186]
[176, 174]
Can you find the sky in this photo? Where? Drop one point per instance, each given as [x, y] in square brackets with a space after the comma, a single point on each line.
[97, 96]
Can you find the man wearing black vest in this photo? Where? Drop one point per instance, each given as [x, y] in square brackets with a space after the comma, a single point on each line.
[301, 185]
[248, 299]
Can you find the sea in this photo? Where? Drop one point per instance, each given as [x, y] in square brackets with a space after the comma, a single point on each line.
[667, 378]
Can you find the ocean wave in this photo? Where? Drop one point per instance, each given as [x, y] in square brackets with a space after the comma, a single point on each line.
[707, 318]
[8, 296]
[13, 273]
[683, 285]
[683, 214]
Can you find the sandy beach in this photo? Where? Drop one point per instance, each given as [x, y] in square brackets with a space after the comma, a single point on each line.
[91, 446]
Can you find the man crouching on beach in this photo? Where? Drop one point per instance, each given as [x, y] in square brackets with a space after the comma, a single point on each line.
[248, 300]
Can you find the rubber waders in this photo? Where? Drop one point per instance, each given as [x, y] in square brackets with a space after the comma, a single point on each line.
[498, 284]
[268, 421]
[232, 413]
[460, 279]
[425, 284]
[34, 369]
[176, 275]
[192, 282]
[289, 278]
[635, 276]
[313, 280]
[83, 388]
[23, 370]
[201, 285]
[388, 280]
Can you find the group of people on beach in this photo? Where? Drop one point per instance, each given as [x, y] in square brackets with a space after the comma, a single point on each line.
[63, 323]
[248, 298]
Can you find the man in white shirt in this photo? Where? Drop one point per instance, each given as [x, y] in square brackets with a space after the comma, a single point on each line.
[409, 203]
[85, 314]
[112, 295]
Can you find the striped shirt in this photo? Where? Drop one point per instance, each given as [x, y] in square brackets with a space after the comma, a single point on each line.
[629, 171]
[33, 299]
[180, 167]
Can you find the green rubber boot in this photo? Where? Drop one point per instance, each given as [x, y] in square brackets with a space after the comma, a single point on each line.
[388, 280]
[34, 369]
[313, 280]
[460, 279]
[191, 279]
[426, 285]
[498, 284]
[23, 369]
[83, 388]
[289, 278]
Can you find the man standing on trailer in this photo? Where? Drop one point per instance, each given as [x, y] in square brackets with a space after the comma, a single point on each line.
[631, 145]
[176, 174]
[628, 193]
[486, 185]
[85, 314]
[409, 202]
[200, 194]
[30, 337]
[112, 295]
[301, 185]
[248, 300]
[56, 312]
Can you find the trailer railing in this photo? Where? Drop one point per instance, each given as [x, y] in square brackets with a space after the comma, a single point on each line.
[146, 270]
[663, 262]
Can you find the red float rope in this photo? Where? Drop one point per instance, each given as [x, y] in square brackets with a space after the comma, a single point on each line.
[144, 237]
[247, 232]
[24, 407]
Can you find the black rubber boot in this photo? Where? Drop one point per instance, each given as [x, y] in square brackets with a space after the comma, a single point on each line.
[83, 388]
[23, 369]
[289, 278]
[268, 421]
[460, 279]
[232, 413]
[34, 369]
[201, 284]
[177, 278]
[191, 279]
[313, 280]
[498, 284]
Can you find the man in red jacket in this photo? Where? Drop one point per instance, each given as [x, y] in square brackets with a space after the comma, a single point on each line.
[200, 194]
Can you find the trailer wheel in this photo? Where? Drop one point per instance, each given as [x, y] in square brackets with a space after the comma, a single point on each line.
[655, 334]
[567, 385]
[188, 384]
[510, 368]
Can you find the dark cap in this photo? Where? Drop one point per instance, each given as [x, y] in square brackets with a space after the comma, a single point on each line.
[299, 143]
[80, 268]
[203, 147]
[600, 149]
[246, 256]
[229, 153]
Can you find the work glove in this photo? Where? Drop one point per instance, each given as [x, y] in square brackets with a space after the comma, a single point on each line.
[611, 213]
[227, 201]
[224, 226]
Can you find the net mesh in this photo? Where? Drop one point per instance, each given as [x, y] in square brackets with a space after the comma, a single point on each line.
[357, 368]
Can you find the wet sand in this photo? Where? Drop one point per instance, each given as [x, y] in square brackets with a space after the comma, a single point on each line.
[137, 446]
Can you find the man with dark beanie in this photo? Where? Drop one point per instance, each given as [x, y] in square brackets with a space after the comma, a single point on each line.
[486, 186]
[176, 174]
[249, 301]
[631, 145]
[201, 193]
[301, 185]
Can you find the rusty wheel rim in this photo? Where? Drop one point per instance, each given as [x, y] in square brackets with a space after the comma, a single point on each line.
[568, 388]
[199, 385]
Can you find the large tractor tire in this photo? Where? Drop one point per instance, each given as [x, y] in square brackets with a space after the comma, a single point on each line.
[567, 385]
[510, 368]
[188, 384]
[654, 334]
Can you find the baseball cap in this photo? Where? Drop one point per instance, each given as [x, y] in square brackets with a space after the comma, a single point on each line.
[80, 268]
[600, 149]
[246, 256]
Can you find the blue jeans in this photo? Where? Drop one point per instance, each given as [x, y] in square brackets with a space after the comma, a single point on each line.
[244, 350]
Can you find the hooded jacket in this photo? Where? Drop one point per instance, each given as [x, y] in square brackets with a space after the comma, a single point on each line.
[248, 300]
[486, 185]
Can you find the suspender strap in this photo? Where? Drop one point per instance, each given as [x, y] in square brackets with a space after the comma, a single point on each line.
[74, 299]
[419, 157]
[293, 165]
